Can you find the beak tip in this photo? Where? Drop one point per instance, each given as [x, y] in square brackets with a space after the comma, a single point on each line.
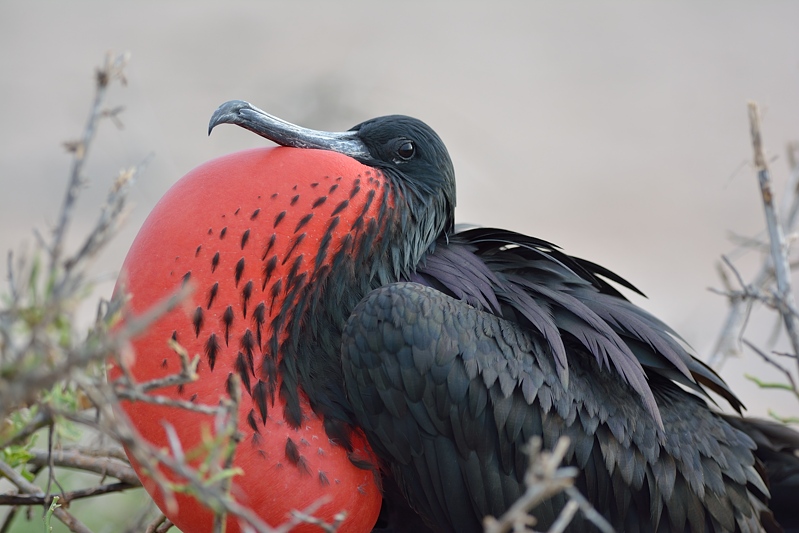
[228, 113]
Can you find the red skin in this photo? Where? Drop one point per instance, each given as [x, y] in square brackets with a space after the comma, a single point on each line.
[225, 193]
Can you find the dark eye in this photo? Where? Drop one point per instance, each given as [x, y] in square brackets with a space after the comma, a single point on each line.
[406, 150]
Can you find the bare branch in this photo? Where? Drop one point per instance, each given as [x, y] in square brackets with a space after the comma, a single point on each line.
[545, 478]
[779, 252]
[65, 497]
[113, 69]
[741, 304]
[104, 466]
[27, 487]
[159, 525]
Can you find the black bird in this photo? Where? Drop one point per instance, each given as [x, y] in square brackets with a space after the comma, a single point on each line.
[451, 349]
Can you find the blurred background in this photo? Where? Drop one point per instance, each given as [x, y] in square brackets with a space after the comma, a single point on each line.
[617, 130]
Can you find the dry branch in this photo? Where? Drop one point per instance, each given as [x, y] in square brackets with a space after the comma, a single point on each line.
[779, 251]
[545, 477]
[51, 382]
[775, 268]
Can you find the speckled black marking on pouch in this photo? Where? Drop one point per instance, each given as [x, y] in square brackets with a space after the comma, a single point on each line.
[251, 421]
[302, 464]
[269, 373]
[340, 207]
[297, 241]
[239, 270]
[275, 291]
[360, 462]
[315, 185]
[210, 231]
[164, 363]
[258, 318]
[323, 478]
[333, 187]
[320, 273]
[186, 277]
[259, 393]
[211, 350]
[355, 189]
[369, 199]
[197, 251]
[269, 246]
[303, 221]
[279, 218]
[244, 237]
[236, 212]
[295, 268]
[222, 233]
[246, 293]
[294, 456]
[227, 319]
[269, 267]
[212, 294]
[294, 200]
[193, 398]
[319, 201]
[175, 335]
[248, 345]
[292, 452]
[255, 214]
[214, 262]
[289, 393]
[324, 244]
[197, 320]
[229, 385]
[243, 371]
[343, 255]
[181, 388]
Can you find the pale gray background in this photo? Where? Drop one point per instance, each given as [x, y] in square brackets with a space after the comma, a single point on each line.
[615, 129]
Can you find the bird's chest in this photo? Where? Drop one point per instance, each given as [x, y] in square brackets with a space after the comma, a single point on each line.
[259, 251]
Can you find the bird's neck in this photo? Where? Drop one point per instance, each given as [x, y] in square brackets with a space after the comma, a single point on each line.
[382, 245]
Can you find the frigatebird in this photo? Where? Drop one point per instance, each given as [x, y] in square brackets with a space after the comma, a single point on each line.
[358, 309]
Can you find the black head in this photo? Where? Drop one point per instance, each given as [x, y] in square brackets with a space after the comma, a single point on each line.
[410, 150]
[404, 148]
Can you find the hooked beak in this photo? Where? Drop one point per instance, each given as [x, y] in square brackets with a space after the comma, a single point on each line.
[285, 133]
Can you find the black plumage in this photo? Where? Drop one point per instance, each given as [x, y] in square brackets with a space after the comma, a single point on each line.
[464, 389]
[452, 349]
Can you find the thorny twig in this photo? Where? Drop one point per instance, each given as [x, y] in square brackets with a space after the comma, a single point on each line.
[779, 253]
[768, 359]
[29, 488]
[37, 352]
[65, 497]
[112, 70]
[100, 464]
[47, 380]
[159, 525]
[758, 289]
[544, 479]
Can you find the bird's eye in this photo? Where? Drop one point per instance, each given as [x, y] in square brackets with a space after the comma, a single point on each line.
[406, 150]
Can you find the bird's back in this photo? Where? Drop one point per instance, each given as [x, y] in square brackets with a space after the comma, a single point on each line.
[499, 337]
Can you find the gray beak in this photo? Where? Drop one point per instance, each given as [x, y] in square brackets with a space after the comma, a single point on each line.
[285, 133]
